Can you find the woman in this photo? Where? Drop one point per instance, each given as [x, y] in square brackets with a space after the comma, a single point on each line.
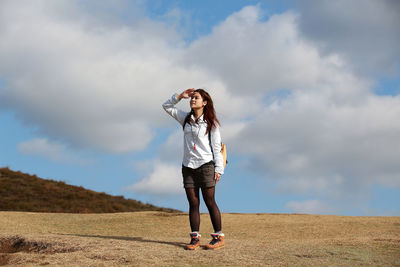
[202, 164]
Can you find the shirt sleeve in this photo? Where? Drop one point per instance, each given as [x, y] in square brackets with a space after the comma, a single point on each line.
[169, 107]
[216, 148]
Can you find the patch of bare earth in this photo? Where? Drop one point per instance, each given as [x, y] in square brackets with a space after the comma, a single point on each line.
[158, 239]
[12, 245]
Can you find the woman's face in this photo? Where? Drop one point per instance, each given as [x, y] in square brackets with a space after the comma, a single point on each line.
[196, 101]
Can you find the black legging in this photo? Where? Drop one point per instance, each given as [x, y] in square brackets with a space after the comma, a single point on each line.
[194, 204]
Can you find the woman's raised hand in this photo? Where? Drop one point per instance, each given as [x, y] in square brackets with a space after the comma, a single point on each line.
[187, 93]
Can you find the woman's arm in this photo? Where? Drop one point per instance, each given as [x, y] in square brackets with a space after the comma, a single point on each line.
[216, 147]
[169, 105]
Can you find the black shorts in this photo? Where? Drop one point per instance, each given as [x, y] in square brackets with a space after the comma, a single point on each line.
[203, 176]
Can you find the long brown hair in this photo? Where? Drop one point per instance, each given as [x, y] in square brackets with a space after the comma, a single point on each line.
[208, 111]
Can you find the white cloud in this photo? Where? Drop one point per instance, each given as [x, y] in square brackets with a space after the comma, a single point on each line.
[313, 206]
[172, 149]
[51, 150]
[164, 179]
[364, 31]
[315, 147]
[254, 57]
[91, 82]
[84, 84]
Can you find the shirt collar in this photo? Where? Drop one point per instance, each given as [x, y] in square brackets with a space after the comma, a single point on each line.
[201, 119]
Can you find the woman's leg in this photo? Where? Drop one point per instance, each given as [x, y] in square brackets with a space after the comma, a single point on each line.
[209, 199]
[192, 195]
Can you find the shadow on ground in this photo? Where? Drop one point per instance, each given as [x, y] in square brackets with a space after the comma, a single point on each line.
[137, 239]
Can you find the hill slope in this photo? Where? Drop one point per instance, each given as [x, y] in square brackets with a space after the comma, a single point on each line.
[24, 192]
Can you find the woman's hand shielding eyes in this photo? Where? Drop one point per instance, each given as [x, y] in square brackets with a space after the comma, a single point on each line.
[187, 93]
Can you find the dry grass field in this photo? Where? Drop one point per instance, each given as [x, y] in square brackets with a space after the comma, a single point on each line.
[157, 239]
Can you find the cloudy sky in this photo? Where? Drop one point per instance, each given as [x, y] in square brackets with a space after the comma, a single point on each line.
[307, 92]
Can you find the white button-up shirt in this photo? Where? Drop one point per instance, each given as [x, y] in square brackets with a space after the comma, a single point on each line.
[196, 146]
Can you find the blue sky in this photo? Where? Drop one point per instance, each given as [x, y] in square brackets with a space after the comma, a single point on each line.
[307, 93]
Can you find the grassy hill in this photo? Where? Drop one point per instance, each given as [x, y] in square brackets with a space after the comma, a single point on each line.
[23, 192]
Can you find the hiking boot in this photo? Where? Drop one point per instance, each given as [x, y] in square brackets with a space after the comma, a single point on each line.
[217, 242]
[194, 242]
